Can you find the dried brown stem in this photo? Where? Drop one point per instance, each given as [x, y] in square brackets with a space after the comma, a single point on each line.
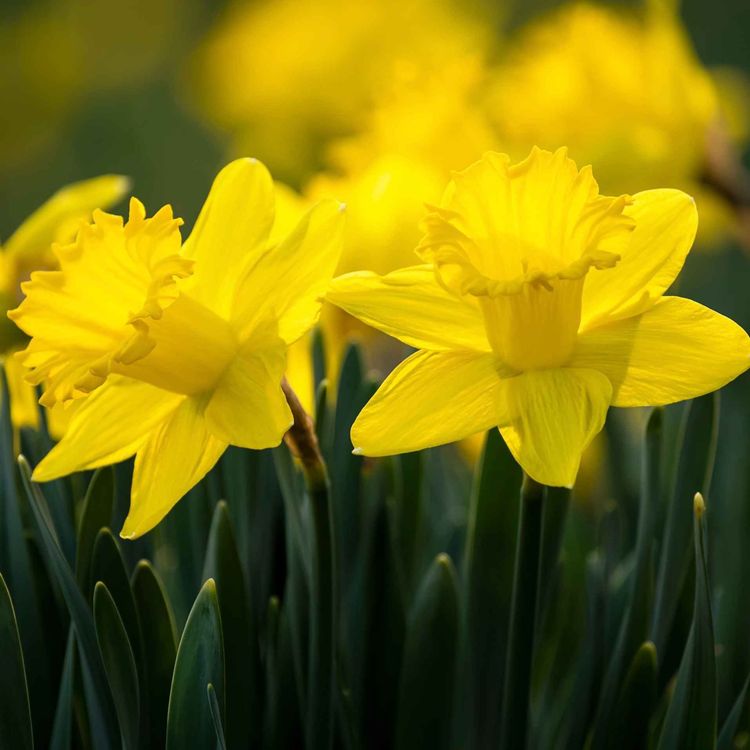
[302, 440]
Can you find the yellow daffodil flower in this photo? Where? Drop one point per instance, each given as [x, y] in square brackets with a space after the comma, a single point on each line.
[176, 350]
[540, 304]
[288, 75]
[28, 249]
[624, 90]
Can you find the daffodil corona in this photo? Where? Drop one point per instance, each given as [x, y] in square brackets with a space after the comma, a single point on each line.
[540, 304]
[177, 350]
[27, 250]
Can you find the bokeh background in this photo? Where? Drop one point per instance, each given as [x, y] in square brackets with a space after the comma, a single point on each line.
[167, 91]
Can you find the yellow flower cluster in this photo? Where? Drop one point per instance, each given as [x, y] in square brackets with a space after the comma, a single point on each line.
[539, 304]
[539, 301]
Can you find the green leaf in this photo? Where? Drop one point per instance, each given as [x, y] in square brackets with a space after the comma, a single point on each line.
[488, 566]
[15, 714]
[406, 513]
[159, 648]
[634, 627]
[691, 718]
[243, 695]
[95, 515]
[635, 702]
[214, 708]
[62, 728]
[427, 686]
[119, 663]
[17, 567]
[318, 357]
[273, 620]
[585, 681]
[517, 684]
[200, 660]
[321, 412]
[553, 525]
[731, 727]
[693, 471]
[321, 675]
[101, 710]
[344, 467]
[108, 566]
[377, 621]
[298, 565]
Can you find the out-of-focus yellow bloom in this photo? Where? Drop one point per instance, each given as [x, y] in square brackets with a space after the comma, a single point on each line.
[385, 201]
[176, 350]
[427, 126]
[625, 91]
[288, 75]
[622, 91]
[28, 249]
[541, 303]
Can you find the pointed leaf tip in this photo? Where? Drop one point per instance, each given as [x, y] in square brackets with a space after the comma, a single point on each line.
[699, 505]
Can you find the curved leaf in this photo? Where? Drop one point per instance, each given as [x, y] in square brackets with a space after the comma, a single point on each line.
[429, 667]
[243, 695]
[15, 714]
[119, 664]
[101, 709]
[200, 661]
[690, 723]
[159, 648]
[95, 515]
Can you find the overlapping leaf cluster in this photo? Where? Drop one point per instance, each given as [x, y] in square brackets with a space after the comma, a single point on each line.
[235, 624]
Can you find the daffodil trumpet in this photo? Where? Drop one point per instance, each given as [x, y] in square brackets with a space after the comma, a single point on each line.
[28, 250]
[176, 350]
[540, 303]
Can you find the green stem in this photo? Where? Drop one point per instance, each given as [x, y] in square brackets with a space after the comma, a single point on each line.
[517, 684]
[303, 443]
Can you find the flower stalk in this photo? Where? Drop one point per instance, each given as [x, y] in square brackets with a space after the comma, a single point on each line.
[303, 443]
[523, 616]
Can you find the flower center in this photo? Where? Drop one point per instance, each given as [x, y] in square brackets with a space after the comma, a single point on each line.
[535, 328]
[191, 349]
[521, 239]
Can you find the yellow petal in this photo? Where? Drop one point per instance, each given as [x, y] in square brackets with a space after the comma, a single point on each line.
[555, 415]
[676, 350]
[231, 231]
[176, 455]
[248, 407]
[429, 399]
[290, 280]
[665, 226]
[109, 426]
[24, 411]
[56, 220]
[410, 305]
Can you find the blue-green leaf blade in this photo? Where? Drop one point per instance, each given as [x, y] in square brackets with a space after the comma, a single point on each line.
[200, 661]
[119, 664]
[430, 655]
[15, 713]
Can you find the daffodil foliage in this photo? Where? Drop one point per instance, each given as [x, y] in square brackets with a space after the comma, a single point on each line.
[540, 304]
